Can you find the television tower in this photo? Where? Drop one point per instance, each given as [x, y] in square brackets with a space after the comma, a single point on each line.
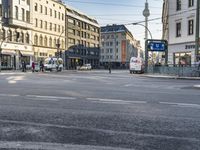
[146, 14]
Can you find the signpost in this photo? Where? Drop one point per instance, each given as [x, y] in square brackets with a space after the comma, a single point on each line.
[155, 46]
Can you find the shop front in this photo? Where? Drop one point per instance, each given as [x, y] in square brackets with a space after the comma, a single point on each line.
[8, 59]
[182, 54]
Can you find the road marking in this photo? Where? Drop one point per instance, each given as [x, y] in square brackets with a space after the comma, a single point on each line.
[41, 99]
[51, 97]
[9, 95]
[181, 104]
[100, 130]
[115, 100]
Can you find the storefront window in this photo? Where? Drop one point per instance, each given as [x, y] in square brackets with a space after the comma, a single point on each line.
[182, 59]
[6, 61]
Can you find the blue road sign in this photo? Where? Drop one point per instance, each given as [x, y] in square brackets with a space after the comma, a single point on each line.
[157, 46]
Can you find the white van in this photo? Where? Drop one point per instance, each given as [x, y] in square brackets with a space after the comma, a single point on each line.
[53, 64]
[136, 65]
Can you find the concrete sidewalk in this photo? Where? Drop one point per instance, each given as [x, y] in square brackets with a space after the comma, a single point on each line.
[169, 77]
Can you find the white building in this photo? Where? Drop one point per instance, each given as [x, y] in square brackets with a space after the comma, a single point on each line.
[117, 46]
[15, 33]
[179, 29]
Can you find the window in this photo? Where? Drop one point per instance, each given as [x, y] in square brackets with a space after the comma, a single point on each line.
[111, 50]
[111, 43]
[55, 27]
[36, 40]
[190, 27]
[45, 10]
[41, 40]
[36, 7]
[45, 41]
[9, 35]
[50, 26]
[41, 9]
[28, 2]
[58, 15]
[55, 14]
[51, 12]
[62, 16]
[28, 16]
[54, 43]
[58, 28]
[102, 50]
[23, 14]
[178, 5]
[190, 3]
[16, 12]
[45, 25]
[36, 22]
[22, 37]
[182, 58]
[50, 42]
[41, 24]
[27, 38]
[178, 29]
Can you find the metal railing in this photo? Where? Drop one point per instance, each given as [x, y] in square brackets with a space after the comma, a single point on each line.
[179, 70]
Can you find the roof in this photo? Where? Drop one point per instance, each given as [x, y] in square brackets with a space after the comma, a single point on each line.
[115, 28]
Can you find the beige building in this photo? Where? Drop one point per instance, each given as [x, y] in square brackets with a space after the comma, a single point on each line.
[82, 32]
[48, 28]
[16, 25]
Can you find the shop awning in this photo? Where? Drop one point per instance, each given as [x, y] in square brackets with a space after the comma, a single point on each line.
[27, 53]
[8, 52]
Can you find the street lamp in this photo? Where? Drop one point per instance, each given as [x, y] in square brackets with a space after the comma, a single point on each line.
[146, 29]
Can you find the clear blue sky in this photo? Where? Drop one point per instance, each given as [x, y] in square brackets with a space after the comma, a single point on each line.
[122, 12]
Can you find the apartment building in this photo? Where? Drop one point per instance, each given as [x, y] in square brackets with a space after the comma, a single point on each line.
[15, 17]
[117, 46]
[83, 39]
[48, 32]
[179, 20]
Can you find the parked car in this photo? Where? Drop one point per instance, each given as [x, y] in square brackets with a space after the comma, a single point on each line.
[86, 67]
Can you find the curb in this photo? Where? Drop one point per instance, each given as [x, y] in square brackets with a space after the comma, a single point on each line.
[171, 77]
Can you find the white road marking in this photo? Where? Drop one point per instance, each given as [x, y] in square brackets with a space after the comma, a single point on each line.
[41, 99]
[181, 104]
[9, 95]
[128, 85]
[51, 97]
[115, 101]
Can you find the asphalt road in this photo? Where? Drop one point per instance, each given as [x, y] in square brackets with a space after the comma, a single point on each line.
[95, 110]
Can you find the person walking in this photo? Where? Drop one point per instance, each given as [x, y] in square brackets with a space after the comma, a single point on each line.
[33, 66]
[109, 68]
[24, 66]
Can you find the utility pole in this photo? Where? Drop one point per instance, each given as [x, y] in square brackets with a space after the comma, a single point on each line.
[146, 14]
[197, 32]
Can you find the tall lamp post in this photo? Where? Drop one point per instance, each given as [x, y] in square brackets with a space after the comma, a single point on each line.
[58, 46]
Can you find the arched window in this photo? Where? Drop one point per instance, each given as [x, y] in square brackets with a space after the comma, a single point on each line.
[22, 37]
[9, 35]
[54, 42]
[45, 41]
[3, 34]
[15, 36]
[27, 38]
[36, 40]
[50, 42]
[41, 40]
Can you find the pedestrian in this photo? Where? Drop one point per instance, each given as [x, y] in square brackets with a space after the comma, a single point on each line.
[24, 66]
[109, 68]
[33, 66]
[41, 66]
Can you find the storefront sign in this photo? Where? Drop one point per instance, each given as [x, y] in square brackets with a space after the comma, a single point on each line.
[190, 46]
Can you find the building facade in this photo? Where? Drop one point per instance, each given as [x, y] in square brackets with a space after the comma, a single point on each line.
[179, 20]
[16, 33]
[83, 37]
[117, 46]
[48, 28]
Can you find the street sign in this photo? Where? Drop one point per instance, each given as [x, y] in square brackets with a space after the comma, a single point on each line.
[159, 46]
